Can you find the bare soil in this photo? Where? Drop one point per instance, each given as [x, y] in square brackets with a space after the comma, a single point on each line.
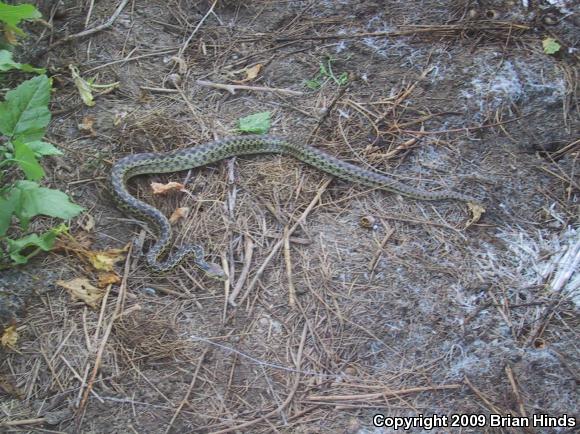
[418, 313]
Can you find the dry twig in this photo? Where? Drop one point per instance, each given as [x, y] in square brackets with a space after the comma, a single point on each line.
[231, 88]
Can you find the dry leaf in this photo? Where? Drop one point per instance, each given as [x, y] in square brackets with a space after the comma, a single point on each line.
[181, 64]
[10, 36]
[86, 126]
[88, 223]
[159, 188]
[251, 73]
[10, 388]
[82, 289]
[119, 117]
[9, 337]
[476, 212]
[108, 278]
[79, 243]
[105, 260]
[178, 214]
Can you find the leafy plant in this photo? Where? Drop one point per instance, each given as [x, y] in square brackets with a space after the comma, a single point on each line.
[11, 16]
[258, 123]
[7, 63]
[24, 116]
[326, 74]
[551, 46]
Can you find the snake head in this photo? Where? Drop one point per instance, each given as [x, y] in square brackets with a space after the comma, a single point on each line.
[212, 270]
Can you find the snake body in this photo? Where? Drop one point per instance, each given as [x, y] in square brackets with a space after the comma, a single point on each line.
[208, 153]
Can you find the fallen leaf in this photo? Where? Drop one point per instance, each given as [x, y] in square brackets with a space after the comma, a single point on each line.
[9, 337]
[79, 243]
[258, 123]
[83, 86]
[119, 116]
[88, 223]
[476, 212]
[81, 289]
[86, 87]
[251, 73]
[108, 278]
[105, 260]
[159, 188]
[86, 126]
[551, 46]
[10, 388]
[181, 64]
[178, 214]
[10, 36]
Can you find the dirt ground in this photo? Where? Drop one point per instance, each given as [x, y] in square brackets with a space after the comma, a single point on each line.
[350, 301]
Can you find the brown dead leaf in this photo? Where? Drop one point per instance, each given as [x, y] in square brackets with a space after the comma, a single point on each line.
[181, 64]
[105, 260]
[251, 73]
[81, 289]
[476, 212]
[79, 243]
[178, 214]
[159, 188]
[9, 337]
[86, 126]
[88, 222]
[108, 278]
[9, 387]
[10, 36]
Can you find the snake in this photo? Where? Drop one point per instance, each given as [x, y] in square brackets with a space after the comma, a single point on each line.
[211, 152]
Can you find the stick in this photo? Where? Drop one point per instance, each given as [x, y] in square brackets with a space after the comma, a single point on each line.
[248, 253]
[510, 375]
[186, 397]
[452, 29]
[231, 88]
[279, 244]
[208, 13]
[104, 340]
[375, 260]
[288, 260]
[88, 32]
[371, 396]
[286, 401]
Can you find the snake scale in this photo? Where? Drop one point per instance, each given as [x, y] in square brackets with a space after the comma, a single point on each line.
[208, 153]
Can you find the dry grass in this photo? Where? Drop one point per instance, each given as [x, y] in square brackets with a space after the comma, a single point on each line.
[324, 321]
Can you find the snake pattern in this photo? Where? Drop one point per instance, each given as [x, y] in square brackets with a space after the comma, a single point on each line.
[208, 153]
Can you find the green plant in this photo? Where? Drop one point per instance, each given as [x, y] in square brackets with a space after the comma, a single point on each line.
[258, 123]
[326, 74]
[10, 17]
[24, 116]
[551, 46]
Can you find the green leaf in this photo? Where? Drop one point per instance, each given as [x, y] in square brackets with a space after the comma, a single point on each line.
[24, 114]
[86, 87]
[313, 84]
[31, 200]
[7, 207]
[551, 46]
[258, 123]
[13, 15]
[17, 248]
[27, 161]
[42, 149]
[342, 79]
[7, 63]
[83, 86]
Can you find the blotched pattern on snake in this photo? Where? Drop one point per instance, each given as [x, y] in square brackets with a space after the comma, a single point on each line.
[208, 153]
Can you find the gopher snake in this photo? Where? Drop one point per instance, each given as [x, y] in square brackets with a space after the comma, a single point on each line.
[207, 153]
